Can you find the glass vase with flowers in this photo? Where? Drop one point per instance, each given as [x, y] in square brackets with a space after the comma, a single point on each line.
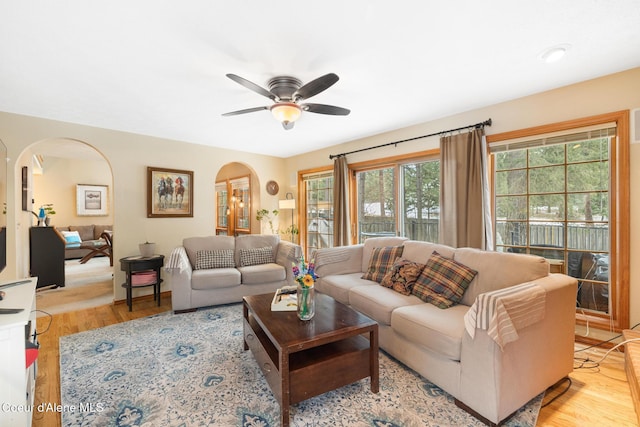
[305, 277]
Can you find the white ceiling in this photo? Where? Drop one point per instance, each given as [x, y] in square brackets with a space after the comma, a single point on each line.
[157, 67]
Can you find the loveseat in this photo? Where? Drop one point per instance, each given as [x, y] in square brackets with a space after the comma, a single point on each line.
[85, 235]
[213, 270]
[503, 340]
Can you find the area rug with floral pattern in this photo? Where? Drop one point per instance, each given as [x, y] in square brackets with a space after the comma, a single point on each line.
[190, 369]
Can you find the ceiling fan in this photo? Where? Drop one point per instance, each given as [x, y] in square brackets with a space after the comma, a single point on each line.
[288, 93]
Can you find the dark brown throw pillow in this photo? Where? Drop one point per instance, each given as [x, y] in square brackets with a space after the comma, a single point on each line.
[402, 276]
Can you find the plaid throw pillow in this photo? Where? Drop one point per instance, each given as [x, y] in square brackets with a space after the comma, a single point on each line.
[402, 276]
[443, 281]
[220, 258]
[256, 256]
[381, 261]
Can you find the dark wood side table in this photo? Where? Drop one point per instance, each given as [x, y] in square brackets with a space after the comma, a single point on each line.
[138, 264]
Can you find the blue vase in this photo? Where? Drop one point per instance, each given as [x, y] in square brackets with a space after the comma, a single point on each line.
[41, 217]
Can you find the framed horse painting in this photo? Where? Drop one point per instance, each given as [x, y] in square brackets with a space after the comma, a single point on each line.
[169, 193]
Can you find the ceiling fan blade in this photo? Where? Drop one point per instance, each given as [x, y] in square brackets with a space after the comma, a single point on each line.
[248, 110]
[332, 110]
[252, 86]
[316, 86]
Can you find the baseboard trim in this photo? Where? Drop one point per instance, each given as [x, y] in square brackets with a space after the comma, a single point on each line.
[165, 294]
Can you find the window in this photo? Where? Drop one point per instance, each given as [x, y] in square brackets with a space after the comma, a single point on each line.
[553, 200]
[561, 192]
[318, 210]
[377, 214]
[421, 200]
[414, 181]
[399, 198]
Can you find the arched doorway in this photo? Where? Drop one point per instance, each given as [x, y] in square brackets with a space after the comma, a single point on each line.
[237, 198]
[57, 170]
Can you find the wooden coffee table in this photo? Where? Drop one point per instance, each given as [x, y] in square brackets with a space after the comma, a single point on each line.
[302, 359]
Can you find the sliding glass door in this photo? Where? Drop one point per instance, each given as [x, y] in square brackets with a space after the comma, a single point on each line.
[318, 213]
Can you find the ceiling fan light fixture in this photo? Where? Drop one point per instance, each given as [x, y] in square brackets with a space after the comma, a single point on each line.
[286, 112]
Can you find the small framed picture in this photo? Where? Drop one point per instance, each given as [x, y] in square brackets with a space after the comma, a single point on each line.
[91, 200]
[169, 193]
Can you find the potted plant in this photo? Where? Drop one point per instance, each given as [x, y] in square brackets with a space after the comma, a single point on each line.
[293, 231]
[264, 214]
[48, 212]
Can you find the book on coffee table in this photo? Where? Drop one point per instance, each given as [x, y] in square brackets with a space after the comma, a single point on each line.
[285, 299]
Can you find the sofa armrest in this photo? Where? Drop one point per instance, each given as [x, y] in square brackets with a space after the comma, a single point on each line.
[338, 260]
[288, 253]
[495, 381]
[178, 275]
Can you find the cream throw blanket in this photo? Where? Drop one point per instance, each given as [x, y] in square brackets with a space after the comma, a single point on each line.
[505, 311]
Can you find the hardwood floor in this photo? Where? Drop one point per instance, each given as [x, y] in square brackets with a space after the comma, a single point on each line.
[52, 328]
[597, 397]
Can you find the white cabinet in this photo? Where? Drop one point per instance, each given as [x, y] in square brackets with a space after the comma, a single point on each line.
[17, 383]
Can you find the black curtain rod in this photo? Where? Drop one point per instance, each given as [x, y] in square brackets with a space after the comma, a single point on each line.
[477, 125]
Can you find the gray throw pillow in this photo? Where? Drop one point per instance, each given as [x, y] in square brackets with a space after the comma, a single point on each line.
[219, 258]
[256, 256]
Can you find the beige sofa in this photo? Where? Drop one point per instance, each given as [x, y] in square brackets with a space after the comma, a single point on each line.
[215, 270]
[487, 377]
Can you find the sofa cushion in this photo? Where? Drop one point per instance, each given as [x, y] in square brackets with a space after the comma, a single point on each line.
[337, 286]
[421, 251]
[443, 281]
[497, 270]
[441, 331]
[379, 302]
[215, 278]
[98, 229]
[256, 256]
[218, 258]
[402, 275]
[85, 231]
[262, 273]
[206, 243]
[382, 259]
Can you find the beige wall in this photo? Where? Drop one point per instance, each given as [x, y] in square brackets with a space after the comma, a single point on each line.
[616, 92]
